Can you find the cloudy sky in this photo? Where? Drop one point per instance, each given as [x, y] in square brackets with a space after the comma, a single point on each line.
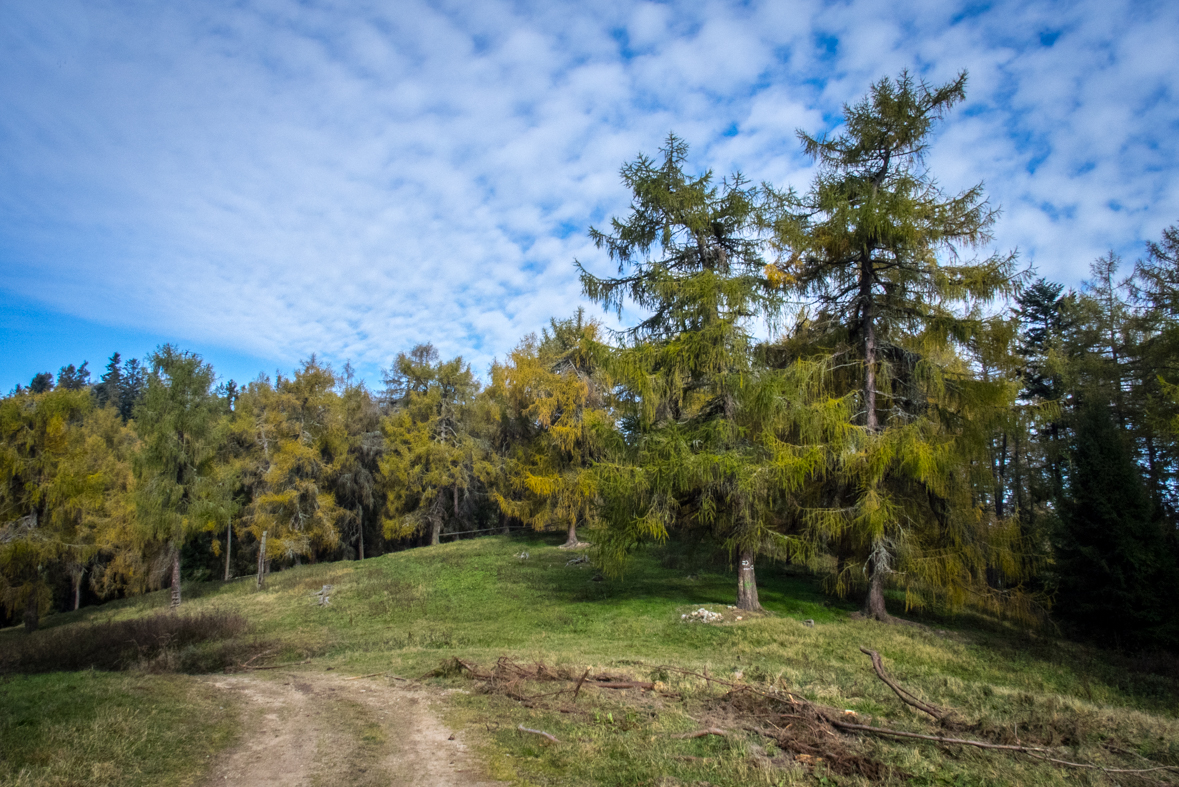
[266, 179]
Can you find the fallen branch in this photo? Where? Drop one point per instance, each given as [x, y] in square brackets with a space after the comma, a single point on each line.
[702, 733]
[847, 725]
[1031, 751]
[906, 696]
[579, 682]
[370, 675]
[623, 684]
[541, 733]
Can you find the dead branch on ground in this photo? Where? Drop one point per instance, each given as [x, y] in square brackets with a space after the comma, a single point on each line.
[905, 695]
[541, 733]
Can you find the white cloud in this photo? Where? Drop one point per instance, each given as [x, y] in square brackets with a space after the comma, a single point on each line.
[288, 178]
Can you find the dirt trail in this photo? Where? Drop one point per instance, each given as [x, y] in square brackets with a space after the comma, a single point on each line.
[320, 730]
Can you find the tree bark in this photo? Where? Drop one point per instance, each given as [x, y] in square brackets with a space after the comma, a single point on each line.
[571, 539]
[175, 577]
[747, 582]
[436, 532]
[360, 521]
[32, 612]
[228, 547]
[868, 327]
[262, 562]
[503, 520]
[874, 608]
[78, 589]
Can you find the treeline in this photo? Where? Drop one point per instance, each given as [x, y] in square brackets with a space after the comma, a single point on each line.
[951, 431]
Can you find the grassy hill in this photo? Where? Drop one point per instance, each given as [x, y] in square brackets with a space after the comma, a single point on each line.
[443, 611]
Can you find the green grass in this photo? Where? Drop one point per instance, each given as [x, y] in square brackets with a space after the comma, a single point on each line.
[409, 612]
[98, 728]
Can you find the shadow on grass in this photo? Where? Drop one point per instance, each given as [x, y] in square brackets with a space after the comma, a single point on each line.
[204, 642]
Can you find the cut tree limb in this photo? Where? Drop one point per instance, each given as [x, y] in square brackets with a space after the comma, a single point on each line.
[1031, 751]
[579, 682]
[906, 696]
[541, 733]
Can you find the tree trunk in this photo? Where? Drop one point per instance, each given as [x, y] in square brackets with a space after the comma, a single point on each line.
[360, 521]
[32, 612]
[868, 327]
[78, 589]
[262, 562]
[175, 578]
[436, 532]
[874, 608]
[503, 520]
[571, 538]
[747, 582]
[228, 548]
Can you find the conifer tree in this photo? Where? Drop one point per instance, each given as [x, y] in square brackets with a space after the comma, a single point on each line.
[1116, 573]
[109, 387]
[178, 491]
[874, 246]
[432, 460]
[287, 439]
[556, 388]
[39, 440]
[357, 469]
[715, 442]
[74, 379]
[41, 383]
[131, 388]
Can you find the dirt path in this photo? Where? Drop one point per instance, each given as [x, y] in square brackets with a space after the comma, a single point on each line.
[320, 730]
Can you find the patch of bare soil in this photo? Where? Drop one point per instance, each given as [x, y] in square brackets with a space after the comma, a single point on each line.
[321, 730]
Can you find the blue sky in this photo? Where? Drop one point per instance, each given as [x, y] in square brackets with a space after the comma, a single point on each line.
[264, 180]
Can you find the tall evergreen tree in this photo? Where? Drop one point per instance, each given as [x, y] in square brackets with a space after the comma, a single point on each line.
[74, 379]
[431, 461]
[39, 442]
[357, 469]
[1116, 573]
[874, 245]
[288, 439]
[110, 386]
[178, 492]
[557, 390]
[131, 390]
[705, 450]
[41, 383]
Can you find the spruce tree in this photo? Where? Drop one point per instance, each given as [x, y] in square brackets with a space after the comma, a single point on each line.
[874, 246]
[1115, 572]
[111, 384]
[74, 378]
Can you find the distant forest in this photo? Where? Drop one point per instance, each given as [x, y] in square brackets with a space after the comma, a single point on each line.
[926, 428]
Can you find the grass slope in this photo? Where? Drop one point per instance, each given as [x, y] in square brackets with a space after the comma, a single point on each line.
[410, 612]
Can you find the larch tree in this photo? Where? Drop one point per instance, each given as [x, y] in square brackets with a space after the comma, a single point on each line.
[40, 441]
[357, 468]
[714, 441]
[874, 246]
[179, 491]
[557, 388]
[288, 438]
[431, 461]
